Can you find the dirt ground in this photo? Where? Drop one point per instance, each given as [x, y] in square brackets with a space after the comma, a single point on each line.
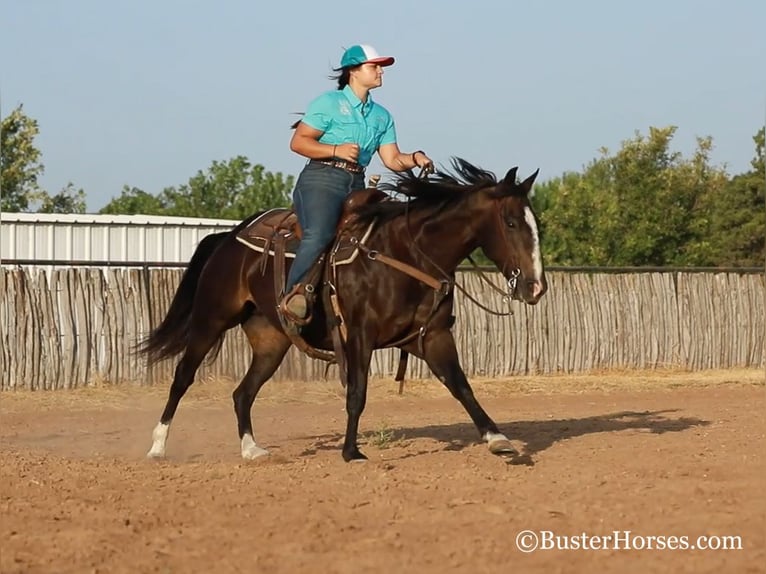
[658, 454]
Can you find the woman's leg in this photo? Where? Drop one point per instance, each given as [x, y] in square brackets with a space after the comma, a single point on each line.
[319, 196]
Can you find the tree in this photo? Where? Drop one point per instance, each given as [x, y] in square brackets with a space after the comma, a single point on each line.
[737, 215]
[19, 161]
[134, 201]
[640, 206]
[68, 200]
[229, 190]
[20, 166]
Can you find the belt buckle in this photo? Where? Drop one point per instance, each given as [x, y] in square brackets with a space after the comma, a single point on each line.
[345, 165]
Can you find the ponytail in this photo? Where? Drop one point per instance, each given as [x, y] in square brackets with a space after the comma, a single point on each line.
[342, 76]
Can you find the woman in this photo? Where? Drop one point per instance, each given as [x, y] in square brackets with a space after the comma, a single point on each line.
[339, 133]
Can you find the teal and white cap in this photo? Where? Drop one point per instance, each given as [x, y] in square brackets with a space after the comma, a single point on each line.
[363, 54]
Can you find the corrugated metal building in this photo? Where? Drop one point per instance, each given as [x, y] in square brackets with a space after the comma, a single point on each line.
[107, 239]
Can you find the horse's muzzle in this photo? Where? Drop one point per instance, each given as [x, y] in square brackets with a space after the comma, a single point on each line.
[530, 291]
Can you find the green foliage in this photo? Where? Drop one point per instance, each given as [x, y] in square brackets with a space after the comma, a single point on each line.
[134, 201]
[737, 216]
[644, 205]
[20, 168]
[19, 161]
[231, 189]
[68, 200]
[383, 437]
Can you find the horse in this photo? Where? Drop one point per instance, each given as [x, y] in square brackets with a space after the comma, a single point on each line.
[399, 294]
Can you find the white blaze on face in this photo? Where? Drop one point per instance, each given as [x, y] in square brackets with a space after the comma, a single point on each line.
[537, 260]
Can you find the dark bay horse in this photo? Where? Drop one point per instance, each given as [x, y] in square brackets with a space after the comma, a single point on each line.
[442, 220]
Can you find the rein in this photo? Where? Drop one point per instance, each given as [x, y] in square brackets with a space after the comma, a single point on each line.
[511, 284]
[506, 298]
[442, 287]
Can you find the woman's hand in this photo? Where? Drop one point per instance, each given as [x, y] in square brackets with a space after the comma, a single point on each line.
[305, 141]
[422, 161]
[347, 152]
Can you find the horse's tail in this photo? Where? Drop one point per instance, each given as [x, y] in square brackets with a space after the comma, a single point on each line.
[170, 337]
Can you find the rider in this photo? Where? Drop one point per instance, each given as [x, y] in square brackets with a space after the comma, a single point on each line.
[339, 133]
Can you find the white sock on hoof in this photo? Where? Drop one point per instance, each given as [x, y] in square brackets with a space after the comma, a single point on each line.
[159, 438]
[250, 450]
[491, 437]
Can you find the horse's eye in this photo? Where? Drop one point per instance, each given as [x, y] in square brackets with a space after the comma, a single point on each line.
[510, 223]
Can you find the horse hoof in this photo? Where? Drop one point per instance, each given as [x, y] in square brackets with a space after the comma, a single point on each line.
[155, 455]
[354, 457]
[250, 450]
[502, 447]
[254, 453]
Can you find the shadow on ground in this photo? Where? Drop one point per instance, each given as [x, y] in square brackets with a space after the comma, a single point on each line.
[536, 435]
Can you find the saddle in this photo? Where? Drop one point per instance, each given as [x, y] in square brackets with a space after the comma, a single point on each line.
[277, 234]
[263, 232]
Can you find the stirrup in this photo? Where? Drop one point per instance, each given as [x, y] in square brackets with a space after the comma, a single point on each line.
[289, 315]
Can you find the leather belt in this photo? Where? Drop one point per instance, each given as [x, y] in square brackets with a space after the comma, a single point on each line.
[342, 164]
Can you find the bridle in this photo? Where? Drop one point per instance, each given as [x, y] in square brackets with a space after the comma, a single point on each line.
[506, 296]
[511, 283]
[441, 286]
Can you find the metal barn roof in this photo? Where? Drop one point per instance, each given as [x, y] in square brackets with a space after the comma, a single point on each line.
[108, 239]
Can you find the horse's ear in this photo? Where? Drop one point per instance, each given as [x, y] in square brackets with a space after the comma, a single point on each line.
[510, 177]
[526, 185]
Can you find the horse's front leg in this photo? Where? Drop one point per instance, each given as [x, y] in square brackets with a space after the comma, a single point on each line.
[442, 358]
[358, 355]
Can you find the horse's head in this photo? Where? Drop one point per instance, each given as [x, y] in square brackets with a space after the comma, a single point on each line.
[510, 237]
[467, 209]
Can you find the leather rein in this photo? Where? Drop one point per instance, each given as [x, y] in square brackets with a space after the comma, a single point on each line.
[442, 286]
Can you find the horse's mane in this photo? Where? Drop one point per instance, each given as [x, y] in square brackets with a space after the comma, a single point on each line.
[436, 192]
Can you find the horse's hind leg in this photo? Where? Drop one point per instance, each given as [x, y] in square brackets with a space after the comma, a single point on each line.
[202, 340]
[269, 347]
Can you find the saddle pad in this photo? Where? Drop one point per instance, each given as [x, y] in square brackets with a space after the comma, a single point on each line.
[260, 233]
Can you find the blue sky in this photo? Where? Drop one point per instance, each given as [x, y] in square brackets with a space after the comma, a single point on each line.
[146, 93]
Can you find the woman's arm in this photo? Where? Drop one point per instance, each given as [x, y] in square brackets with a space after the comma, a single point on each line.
[395, 160]
[305, 141]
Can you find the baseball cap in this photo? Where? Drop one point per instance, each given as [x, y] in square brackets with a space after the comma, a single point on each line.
[363, 54]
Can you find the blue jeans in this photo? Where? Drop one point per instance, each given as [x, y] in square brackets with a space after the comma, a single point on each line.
[318, 197]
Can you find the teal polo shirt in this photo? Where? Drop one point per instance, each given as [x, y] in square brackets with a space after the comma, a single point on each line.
[344, 118]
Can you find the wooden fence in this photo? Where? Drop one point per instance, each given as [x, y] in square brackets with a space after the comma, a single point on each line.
[72, 327]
